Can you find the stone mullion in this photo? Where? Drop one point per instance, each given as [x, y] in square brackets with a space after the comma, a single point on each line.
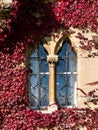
[52, 60]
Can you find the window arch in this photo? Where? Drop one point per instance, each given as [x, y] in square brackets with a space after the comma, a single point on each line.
[38, 90]
[65, 77]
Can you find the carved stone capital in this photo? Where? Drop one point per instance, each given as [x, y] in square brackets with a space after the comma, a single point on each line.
[52, 59]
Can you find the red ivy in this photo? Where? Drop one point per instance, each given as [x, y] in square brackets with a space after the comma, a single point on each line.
[30, 20]
[40, 18]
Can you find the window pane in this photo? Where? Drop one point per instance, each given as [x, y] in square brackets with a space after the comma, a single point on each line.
[61, 65]
[44, 90]
[66, 78]
[71, 62]
[39, 79]
[43, 65]
[41, 51]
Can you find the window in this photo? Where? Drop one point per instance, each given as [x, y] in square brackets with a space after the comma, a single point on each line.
[39, 79]
[65, 77]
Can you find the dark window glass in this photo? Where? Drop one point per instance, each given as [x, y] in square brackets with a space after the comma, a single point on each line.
[39, 79]
[66, 76]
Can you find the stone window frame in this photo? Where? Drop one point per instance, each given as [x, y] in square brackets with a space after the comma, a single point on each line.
[52, 47]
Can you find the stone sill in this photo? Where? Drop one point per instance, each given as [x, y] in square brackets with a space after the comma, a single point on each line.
[51, 108]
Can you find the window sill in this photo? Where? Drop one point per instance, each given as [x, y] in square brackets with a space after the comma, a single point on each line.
[50, 109]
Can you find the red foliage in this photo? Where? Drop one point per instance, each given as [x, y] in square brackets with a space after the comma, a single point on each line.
[39, 18]
[30, 20]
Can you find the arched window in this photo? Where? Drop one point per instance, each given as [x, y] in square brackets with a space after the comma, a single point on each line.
[65, 77]
[39, 79]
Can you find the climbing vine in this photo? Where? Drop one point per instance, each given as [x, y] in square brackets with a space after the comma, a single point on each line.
[22, 24]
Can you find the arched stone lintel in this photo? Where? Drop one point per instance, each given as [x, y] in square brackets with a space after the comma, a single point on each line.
[60, 43]
[70, 40]
[53, 46]
[46, 45]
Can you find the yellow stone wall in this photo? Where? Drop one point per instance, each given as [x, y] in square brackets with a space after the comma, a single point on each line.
[87, 77]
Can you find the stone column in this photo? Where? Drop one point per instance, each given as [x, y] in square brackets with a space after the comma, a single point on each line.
[52, 60]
